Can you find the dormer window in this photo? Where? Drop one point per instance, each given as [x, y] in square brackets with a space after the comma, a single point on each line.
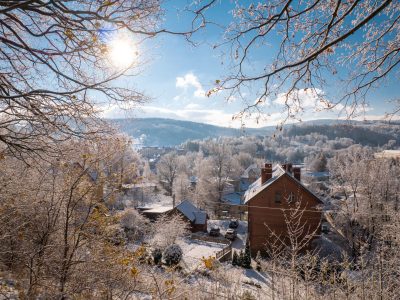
[278, 197]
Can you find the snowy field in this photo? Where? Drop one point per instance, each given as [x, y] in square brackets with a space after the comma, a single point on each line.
[194, 250]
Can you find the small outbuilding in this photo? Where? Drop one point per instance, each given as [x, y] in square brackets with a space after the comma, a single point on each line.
[195, 216]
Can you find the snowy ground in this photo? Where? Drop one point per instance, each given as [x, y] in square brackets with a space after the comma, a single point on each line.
[240, 242]
[234, 281]
[194, 250]
[249, 279]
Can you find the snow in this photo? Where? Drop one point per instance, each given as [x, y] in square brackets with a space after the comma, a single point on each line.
[157, 199]
[158, 209]
[237, 280]
[250, 168]
[195, 250]
[257, 187]
[240, 242]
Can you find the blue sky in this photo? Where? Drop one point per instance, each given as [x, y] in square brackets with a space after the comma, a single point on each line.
[178, 75]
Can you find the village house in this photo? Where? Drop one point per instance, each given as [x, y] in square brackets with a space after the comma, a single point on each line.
[231, 205]
[250, 175]
[272, 196]
[153, 213]
[196, 217]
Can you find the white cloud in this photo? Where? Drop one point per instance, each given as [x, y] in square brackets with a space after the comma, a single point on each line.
[219, 117]
[192, 106]
[190, 80]
[304, 98]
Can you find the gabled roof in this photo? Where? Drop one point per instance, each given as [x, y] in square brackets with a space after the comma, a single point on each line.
[249, 169]
[234, 198]
[192, 212]
[277, 172]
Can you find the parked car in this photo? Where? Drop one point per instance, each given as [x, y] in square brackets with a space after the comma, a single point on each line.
[214, 231]
[231, 234]
[234, 223]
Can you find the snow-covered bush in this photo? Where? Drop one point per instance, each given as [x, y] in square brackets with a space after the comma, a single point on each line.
[172, 254]
[135, 225]
[115, 234]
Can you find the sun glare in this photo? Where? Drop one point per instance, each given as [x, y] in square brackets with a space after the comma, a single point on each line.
[122, 51]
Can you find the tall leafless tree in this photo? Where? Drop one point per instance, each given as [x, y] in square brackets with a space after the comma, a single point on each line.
[308, 42]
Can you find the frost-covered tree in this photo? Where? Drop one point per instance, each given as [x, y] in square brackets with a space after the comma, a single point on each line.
[135, 225]
[167, 170]
[167, 230]
[311, 40]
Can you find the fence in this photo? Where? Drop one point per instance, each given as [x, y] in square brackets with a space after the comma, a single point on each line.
[207, 238]
[224, 254]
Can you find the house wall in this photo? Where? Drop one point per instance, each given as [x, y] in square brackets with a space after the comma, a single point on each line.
[234, 211]
[262, 209]
[198, 227]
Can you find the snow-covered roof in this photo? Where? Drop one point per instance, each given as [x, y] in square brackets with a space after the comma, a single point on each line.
[252, 167]
[158, 209]
[192, 212]
[277, 172]
[257, 187]
[200, 217]
[233, 198]
[193, 179]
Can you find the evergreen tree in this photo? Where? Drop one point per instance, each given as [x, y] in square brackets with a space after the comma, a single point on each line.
[246, 262]
[258, 260]
[241, 257]
[235, 259]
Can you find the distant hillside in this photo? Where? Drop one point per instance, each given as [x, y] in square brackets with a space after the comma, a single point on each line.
[168, 132]
[367, 134]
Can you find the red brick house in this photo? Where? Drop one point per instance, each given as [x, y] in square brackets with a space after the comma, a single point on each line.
[272, 196]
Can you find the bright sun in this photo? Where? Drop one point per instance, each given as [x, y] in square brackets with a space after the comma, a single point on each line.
[122, 51]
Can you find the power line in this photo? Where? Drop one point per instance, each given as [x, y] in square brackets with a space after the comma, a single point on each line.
[288, 209]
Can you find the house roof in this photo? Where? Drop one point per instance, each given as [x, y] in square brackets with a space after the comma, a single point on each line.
[233, 198]
[157, 209]
[250, 168]
[277, 172]
[200, 217]
[192, 212]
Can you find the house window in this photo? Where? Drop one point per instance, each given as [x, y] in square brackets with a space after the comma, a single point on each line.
[278, 197]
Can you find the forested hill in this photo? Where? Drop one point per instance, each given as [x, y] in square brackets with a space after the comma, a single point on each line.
[169, 132]
[372, 134]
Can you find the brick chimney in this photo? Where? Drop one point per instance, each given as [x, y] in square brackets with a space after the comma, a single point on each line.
[297, 173]
[266, 173]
